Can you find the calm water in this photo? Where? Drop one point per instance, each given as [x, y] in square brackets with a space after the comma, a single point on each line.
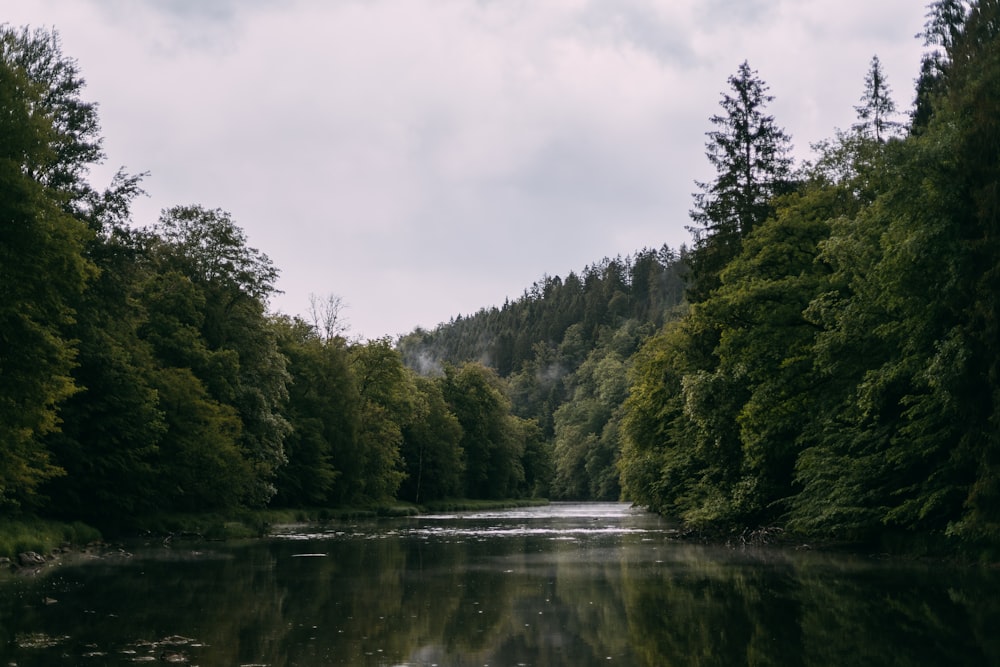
[567, 584]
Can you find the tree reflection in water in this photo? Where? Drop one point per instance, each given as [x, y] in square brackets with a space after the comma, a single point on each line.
[567, 584]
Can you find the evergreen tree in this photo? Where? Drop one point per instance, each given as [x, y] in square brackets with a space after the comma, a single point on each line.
[945, 23]
[970, 198]
[877, 107]
[910, 333]
[750, 155]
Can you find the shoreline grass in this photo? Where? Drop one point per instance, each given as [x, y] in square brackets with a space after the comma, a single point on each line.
[43, 536]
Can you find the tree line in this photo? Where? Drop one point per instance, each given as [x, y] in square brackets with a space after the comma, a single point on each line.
[142, 371]
[563, 349]
[838, 370]
[833, 368]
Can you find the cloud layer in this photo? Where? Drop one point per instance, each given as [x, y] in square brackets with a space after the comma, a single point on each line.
[425, 158]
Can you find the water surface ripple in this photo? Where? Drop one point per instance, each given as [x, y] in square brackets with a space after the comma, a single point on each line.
[578, 584]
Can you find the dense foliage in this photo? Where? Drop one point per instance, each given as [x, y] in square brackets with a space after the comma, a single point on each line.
[142, 372]
[842, 377]
[562, 350]
[826, 356]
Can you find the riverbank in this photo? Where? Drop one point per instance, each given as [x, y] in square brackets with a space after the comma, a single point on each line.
[52, 541]
[45, 538]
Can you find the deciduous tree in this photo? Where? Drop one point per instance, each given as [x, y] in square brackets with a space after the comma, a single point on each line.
[42, 273]
[432, 447]
[233, 282]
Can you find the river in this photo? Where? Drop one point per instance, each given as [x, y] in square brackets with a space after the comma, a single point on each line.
[565, 584]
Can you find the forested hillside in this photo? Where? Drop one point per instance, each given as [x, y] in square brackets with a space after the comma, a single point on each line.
[563, 349]
[837, 372]
[836, 369]
[644, 288]
[824, 358]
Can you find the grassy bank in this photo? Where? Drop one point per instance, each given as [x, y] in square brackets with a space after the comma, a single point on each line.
[42, 536]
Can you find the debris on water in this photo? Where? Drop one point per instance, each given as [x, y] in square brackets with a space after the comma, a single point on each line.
[39, 640]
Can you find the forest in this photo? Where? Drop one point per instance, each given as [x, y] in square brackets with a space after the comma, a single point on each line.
[824, 359]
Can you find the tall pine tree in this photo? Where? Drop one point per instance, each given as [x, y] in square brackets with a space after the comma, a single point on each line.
[750, 155]
[876, 111]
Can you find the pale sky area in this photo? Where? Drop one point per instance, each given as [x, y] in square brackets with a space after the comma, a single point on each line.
[423, 159]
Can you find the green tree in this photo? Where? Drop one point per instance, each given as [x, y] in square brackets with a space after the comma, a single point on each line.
[910, 443]
[110, 422]
[234, 282]
[877, 107]
[944, 26]
[750, 155]
[765, 349]
[209, 248]
[683, 452]
[387, 407]
[536, 460]
[587, 445]
[493, 450]
[199, 465]
[432, 447]
[719, 401]
[201, 430]
[42, 272]
[323, 410]
[112, 427]
[658, 468]
[73, 141]
[963, 213]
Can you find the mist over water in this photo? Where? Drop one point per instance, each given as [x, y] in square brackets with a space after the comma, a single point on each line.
[566, 584]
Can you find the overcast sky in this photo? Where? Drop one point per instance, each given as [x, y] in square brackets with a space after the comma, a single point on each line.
[422, 159]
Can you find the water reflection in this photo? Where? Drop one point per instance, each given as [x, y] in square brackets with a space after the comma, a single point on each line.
[562, 585]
